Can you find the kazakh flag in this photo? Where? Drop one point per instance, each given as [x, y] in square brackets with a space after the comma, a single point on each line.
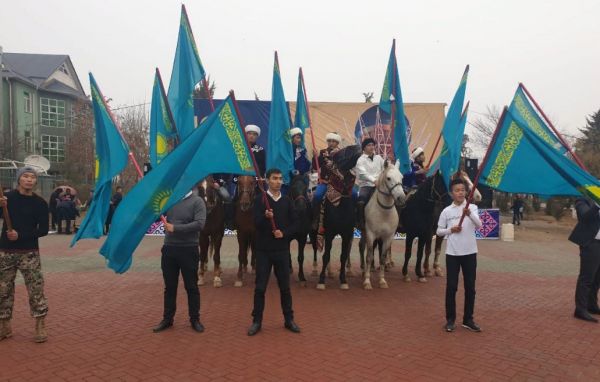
[301, 118]
[162, 127]
[453, 131]
[279, 150]
[111, 158]
[522, 161]
[187, 72]
[391, 103]
[217, 146]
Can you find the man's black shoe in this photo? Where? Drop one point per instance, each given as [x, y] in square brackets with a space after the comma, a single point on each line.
[595, 310]
[254, 328]
[164, 324]
[471, 325]
[292, 327]
[449, 327]
[197, 326]
[585, 316]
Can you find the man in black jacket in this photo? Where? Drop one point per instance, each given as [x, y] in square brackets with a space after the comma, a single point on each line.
[587, 235]
[275, 225]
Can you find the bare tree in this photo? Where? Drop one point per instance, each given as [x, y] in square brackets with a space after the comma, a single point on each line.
[78, 169]
[465, 150]
[484, 126]
[135, 126]
[201, 92]
[368, 97]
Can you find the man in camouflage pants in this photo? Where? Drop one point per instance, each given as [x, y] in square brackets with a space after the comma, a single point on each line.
[19, 250]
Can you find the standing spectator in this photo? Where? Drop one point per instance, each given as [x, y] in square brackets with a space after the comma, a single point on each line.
[52, 202]
[114, 203]
[517, 208]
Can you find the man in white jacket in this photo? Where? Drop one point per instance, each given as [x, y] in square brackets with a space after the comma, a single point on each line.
[368, 168]
[461, 253]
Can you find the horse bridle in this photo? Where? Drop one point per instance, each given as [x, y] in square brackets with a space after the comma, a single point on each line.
[439, 196]
[389, 193]
[249, 192]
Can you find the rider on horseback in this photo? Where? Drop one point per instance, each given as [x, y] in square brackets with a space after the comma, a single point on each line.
[301, 162]
[418, 173]
[368, 168]
[333, 141]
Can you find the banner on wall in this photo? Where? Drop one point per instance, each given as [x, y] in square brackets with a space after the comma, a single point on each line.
[489, 230]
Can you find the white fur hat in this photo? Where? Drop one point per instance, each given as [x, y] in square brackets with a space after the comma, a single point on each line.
[333, 137]
[295, 131]
[252, 128]
[416, 152]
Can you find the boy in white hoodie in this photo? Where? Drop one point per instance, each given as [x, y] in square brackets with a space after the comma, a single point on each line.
[461, 252]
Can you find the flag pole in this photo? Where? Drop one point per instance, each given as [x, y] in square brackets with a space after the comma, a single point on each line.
[434, 149]
[484, 162]
[163, 94]
[558, 135]
[312, 131]
[5, 213]
[254, 163]
[393, 103]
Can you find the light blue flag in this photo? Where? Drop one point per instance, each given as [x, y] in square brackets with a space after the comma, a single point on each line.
[279, 151]
[162, 127]
[187, 72]
[301, 119]
[111, 158]
[391, 103]
[520, 161]
[217, 146]
[453, 131]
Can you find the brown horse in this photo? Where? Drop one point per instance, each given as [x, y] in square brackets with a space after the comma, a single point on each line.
[211, 236]
[244, 222]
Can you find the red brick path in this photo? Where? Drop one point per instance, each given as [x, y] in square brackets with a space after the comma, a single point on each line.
[100, 328]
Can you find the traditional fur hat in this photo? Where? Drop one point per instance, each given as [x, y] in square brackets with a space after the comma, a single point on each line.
[295, 131]
[252, 128]
[333, 137]
[416, 152]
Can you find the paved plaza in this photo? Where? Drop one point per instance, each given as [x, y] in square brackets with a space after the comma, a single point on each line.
[100, 323]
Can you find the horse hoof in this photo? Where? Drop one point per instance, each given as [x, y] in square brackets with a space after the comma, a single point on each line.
[344, 286]
[201, 280]
[217, 283]
[238, 284]
[383, 284]
[406, 279]
[439, 272]
[367, 286]
[303, 284]
[422, 279]
[320, 286]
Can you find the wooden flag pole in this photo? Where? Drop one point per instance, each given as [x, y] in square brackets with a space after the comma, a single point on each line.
[558, 135]
[434, 149]
[254, 164]
[5, 214]
[484, 162]
[310, 125]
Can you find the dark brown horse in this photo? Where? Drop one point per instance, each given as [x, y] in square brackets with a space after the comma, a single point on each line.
[211, 237]
[244, 221]
[298, 194]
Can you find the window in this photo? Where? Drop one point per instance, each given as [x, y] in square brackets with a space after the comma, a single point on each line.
[28, 102]
[53, 112]
[53, 147]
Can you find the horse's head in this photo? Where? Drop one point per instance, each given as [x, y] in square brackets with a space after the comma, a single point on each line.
[390, 182]
[245, 191]
[465, 177]
[438, 191]
[298, 188]
[210, 193]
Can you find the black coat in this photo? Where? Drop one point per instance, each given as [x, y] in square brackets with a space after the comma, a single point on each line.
[588, 222]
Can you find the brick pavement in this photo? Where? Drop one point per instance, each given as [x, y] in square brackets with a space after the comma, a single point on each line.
[100, 323]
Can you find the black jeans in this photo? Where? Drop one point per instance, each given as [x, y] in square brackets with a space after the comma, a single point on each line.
[468, 264]
[588, 282]
[280, 262]
[184, 259]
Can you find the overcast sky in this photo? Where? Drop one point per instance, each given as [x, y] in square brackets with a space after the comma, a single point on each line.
[551, 46]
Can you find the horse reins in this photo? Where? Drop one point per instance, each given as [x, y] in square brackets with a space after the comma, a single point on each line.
[389, 193]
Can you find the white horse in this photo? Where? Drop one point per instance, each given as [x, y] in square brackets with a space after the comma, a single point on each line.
[381, 220]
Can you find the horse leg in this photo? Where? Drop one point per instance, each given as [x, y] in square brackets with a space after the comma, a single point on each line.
[418, 270]
[437, 269]
[326, 258]
[347, 247]
[407, 254]
[368, 261]
[344, 259]
[362, 243]
[218, 240]
[242, 253]
[384, 247]
[203, 257]
[313, 242]
[427, 254]
[301, 244]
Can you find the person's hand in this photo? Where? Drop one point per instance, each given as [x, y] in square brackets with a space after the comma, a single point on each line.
[278, 234]
[467, 211]
[269, 214]
[3, 202]
[216, 185]
[170, 227]
[456, 229]
[12, 235]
